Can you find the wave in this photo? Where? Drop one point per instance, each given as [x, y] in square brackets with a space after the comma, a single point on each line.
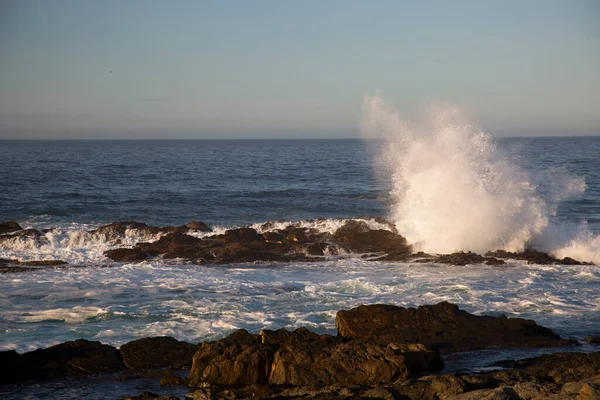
[453, 189]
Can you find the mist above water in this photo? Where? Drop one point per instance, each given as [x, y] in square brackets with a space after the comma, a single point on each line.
[453, 189]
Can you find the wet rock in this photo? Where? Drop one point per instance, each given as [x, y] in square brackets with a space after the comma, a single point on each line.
[443, 326]
[534, 257]
[593, 339]
[158, 352]
[79, 358]
[127, 255]
[316, 249]
[177, 245]
[358, 237]
[25, 234]
[559, 368]
[9, 226]
[150, 396]
[172, 380]
[461, 258]
[44, 263]
[117, 230]
[242, 235]
[198, 226]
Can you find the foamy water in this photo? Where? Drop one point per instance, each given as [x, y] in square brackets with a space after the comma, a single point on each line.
[195, 303]
[453, 189]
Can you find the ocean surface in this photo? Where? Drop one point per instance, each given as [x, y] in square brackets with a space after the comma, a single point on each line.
[75, 186]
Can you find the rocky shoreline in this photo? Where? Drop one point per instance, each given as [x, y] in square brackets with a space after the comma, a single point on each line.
[380, 352]
[269, 242]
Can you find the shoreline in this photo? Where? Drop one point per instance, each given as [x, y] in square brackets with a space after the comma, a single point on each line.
[379, 350]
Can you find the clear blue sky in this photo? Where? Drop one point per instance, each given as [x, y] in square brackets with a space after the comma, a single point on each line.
[223, 69]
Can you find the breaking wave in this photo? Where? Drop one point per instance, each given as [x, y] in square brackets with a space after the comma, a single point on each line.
[453, 189]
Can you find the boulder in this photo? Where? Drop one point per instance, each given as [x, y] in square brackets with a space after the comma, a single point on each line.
[461, 258]
[9, 226]
[127, 255]
[198, 226]
[358, 237]
[442, 326]
[177, 245]
[304, 358]
[79, 358]
[158, 352]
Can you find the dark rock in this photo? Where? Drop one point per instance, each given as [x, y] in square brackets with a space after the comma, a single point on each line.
[158, 352]
[358, 237]
[593, 339]
[127, 255]
[116, 230]
[242, 235]
[177, 245]
[79, 358]
[443, 326]
[559, 368]
[150, 396]
[273, 237]
[461, 258]
[316, 249]
[534, 257]
[26, 234]
[304, 358]
[9, 226]
[325, 363]
[44, 263]
[198, 226]
[172, 380]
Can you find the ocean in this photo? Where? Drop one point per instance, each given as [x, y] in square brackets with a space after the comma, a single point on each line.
[465, 191]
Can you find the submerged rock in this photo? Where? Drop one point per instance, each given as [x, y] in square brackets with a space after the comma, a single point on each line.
[443, 326]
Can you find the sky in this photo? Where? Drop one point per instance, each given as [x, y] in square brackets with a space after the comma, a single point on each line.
[292, 69]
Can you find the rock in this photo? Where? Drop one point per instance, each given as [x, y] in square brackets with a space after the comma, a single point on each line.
[589, 391]
[172, 380]
[232, 361]
[158, 352]
[117, 230]
[79, 358]
[534, 257]
[593, 339]
[9, 226]
[442, 326]
[461, 258]
[304, 358]
[177, 245]
[242, 235]
[25, 234]
[127, 255]
[44, 263]
[198, 226]
[559, 368]
[150, 396]
[358, 237]
[501, 393]
[318, 364]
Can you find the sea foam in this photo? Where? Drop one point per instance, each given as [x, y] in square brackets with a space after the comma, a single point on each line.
[453, 189]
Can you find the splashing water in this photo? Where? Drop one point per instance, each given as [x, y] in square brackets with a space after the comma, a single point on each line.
[452, 189]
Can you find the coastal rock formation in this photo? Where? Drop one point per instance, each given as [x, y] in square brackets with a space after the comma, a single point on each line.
[442, 326]
[157, 352]
[9, 226]
[77, 358]
[303, 358]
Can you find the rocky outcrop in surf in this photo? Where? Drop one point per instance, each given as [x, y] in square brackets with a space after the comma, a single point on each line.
[370, 238]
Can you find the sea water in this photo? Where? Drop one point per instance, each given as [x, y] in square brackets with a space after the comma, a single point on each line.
[483, 193]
